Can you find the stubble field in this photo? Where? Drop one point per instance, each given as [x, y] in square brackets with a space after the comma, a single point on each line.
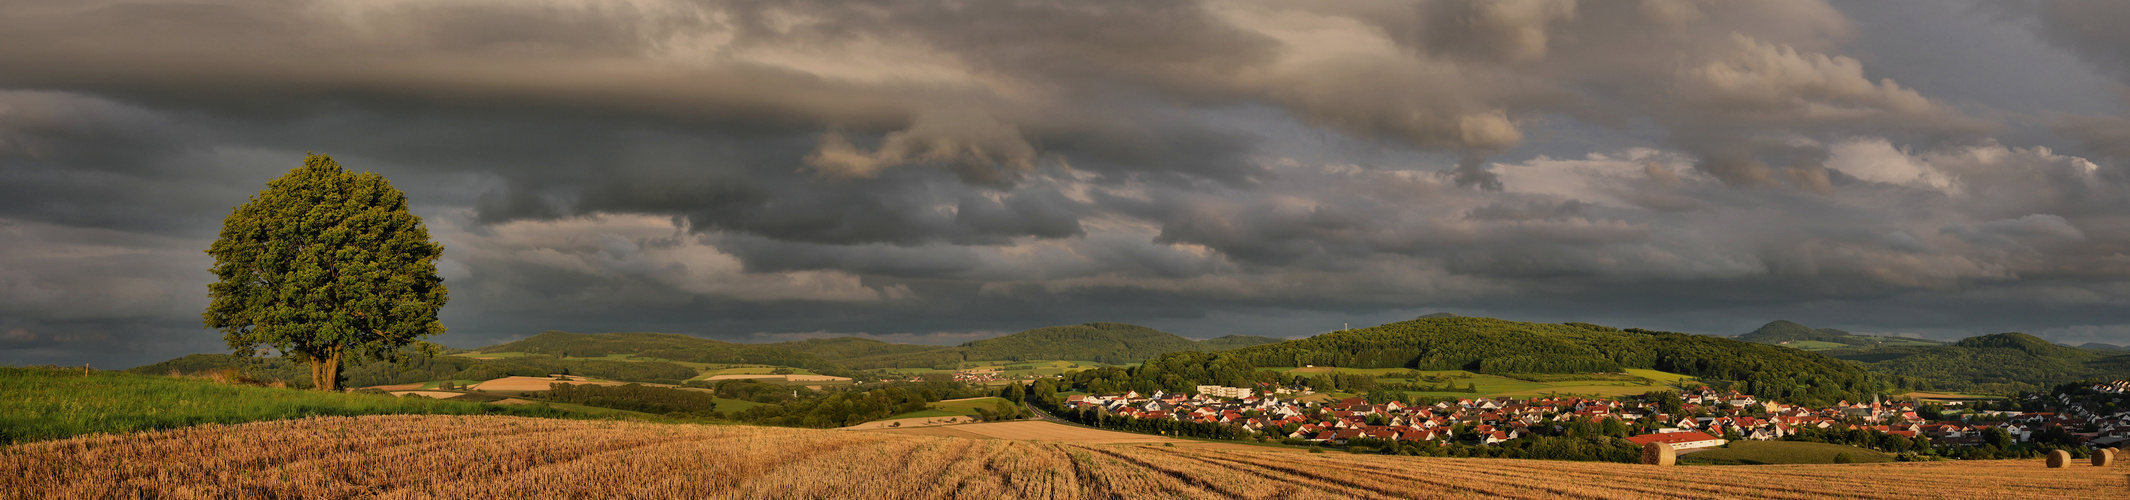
[512, 457]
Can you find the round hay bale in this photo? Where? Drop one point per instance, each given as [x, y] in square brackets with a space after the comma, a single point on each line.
[1659, 454]
[2103, 457]
[2059, 458]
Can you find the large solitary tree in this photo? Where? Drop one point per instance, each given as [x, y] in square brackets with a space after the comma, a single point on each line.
[326, 266]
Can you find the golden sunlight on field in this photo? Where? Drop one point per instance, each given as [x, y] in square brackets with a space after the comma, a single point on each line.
[1034, 430]
[510, 457]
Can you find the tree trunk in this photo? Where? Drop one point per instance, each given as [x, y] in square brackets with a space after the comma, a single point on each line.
[325, 370]
[332, 371]
[317, 373]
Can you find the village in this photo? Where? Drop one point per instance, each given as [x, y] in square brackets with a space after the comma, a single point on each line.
[1703, 419]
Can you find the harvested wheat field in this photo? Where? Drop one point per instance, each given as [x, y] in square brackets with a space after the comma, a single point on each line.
[531, 383]
[904, 423]
[491, 457]
[1033, 430]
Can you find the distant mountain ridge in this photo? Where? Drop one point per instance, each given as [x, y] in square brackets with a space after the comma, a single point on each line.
[2000, 362]
[1099, 342]
[1784, 332]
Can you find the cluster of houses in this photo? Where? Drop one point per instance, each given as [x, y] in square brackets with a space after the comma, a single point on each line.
[1709, 417]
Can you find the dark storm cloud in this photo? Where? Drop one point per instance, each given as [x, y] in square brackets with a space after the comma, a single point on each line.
[904, 168]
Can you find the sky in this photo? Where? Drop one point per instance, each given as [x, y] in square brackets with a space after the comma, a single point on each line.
[938, 172]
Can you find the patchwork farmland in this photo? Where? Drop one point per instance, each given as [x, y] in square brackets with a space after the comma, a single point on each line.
[511, 457]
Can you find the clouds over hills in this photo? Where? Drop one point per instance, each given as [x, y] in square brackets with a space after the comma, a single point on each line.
[909, 167]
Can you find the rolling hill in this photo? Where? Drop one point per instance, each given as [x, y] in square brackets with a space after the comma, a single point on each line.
[670, 346]
[2000, 362]
[1101, 342]
[1489, 345]
[1787, 333]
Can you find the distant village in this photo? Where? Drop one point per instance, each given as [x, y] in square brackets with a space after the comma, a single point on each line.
[1707, 418]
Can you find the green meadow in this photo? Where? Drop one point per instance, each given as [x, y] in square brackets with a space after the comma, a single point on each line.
[40, 403]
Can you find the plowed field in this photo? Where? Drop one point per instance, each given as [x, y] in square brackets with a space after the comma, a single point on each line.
[512, 457]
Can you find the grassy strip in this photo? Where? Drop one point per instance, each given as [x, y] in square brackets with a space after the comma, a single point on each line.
[40, 403]
[1780, 452]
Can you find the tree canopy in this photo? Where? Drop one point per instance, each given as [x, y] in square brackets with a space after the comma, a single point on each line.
[326, 266]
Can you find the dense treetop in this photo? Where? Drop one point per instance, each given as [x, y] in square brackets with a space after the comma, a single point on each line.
[325, 265]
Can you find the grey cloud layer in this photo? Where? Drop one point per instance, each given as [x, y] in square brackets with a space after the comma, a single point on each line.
[732, 168]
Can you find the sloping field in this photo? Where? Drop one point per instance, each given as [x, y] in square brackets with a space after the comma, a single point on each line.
[1034, 430]
[511, 457]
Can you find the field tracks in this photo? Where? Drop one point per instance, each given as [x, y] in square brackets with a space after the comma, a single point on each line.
[504, 457]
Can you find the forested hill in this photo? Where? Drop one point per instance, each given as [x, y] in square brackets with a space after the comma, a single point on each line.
[1500, 346]
[2000, 362]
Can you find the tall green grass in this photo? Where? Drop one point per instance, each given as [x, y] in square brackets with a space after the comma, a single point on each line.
[42, 403]
[1780, 452]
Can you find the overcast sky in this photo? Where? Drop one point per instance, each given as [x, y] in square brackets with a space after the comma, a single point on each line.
[937, 172]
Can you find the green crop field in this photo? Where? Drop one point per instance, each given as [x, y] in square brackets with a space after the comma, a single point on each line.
[1584, 390]
[1659, 376]
[1815, 345]
[1780, 452]
[38, 404]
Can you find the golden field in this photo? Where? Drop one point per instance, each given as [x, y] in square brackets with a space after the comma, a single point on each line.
[515, 457]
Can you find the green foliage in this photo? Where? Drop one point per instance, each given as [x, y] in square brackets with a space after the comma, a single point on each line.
[1172, 372]
[1459, 343]
[1493, 345]
[325, 266]
[634, 397]
[1999, 363]
[59, 403]
[1667, 402]
[837, 409]
[1785, 452]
